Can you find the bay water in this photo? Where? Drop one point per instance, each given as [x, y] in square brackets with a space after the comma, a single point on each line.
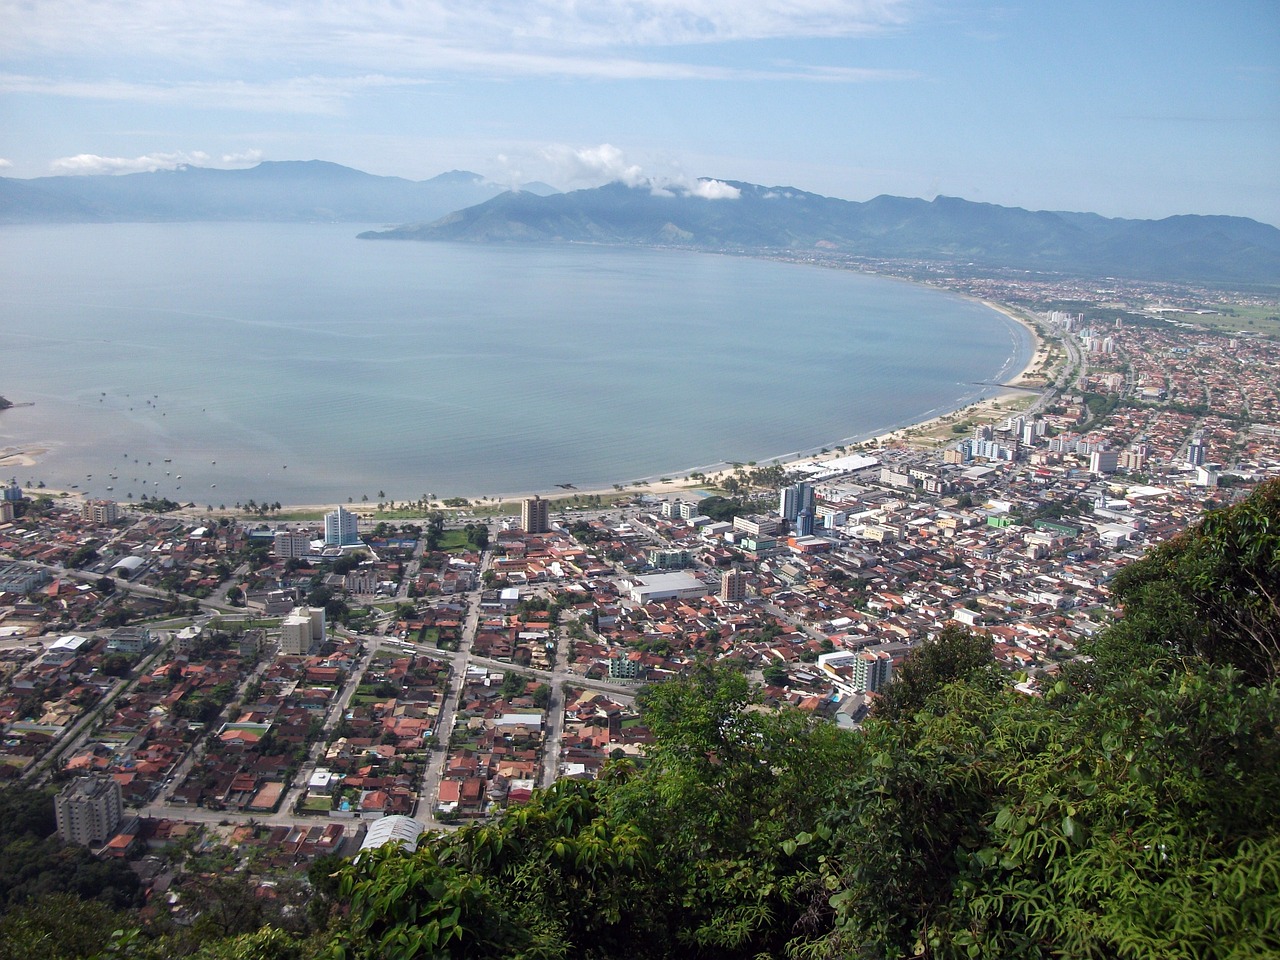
[219, 362]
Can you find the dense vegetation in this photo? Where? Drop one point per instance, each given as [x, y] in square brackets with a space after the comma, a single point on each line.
[1128, 812]
[35, 864]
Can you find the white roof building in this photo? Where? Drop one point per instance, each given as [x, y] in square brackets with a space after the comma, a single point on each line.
[402, 830]
[665, 586]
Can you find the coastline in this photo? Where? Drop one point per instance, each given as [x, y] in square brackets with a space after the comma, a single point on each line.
[666, 484]
[987, 408]
[673, 483]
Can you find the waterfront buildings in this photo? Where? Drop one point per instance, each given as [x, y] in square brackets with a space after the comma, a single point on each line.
[533, 516]
[88, 810]
[100, 512]
[341, 528]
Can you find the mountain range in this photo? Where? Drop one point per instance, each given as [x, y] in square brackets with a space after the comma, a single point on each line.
[757, 218]
[279, 191]
[709, 215]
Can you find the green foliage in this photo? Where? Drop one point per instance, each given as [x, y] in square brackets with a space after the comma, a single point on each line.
[1107, 824]
[722, 509]
[35, 865]
[349, 561]
[953, 655]
[1213, 592]
[727, 790]
[58, 926]
[551, 874]
[117, 664]
[514, 684]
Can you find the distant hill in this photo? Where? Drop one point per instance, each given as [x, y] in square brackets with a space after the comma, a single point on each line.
[463, 206]
[1206, 248]
[272, 191]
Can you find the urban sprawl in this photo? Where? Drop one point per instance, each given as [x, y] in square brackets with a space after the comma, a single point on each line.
[268, 689]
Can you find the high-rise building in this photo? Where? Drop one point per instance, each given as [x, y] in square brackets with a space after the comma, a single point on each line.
[88, 810]
[794, 499]
[804, 523]
[872, 670]
[100, 511]
[341, 528]
[290, 544]
[1104, 461]
[1195, 451]
[302, 631]
[733, 586]
[533, 516]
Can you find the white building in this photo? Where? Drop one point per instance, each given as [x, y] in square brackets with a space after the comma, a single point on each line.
[100, 511]
[290, 544]
[88, 810]
[395, 829]
[341, 528]
[664, 586]
[302, 631]
[65, 649]
[861, 671]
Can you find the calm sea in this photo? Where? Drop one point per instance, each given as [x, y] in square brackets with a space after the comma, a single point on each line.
[296, 363]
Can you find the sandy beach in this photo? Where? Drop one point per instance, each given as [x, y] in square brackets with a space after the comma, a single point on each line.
[11, 457]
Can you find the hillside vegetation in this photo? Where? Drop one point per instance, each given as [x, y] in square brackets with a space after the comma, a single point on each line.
[1128, 812]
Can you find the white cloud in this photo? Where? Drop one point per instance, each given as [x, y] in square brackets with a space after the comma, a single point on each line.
[246, 158]
[715, 190]
[593, 165]
[289, 29]
[85, 164]
[306, 95]
[5, 164]
[608, 164]
[429, 38]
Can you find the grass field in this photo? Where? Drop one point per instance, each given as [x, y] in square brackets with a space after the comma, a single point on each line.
[1263, 321]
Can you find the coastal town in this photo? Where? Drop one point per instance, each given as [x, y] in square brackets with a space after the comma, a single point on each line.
[255, 688]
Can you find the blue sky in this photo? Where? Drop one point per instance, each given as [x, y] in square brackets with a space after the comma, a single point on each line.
[1125, 108]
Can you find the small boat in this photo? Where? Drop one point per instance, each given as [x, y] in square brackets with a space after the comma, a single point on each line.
[212, 485]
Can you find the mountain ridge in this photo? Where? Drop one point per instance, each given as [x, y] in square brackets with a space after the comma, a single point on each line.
[777, 219]
[279, 190]
[712, 215]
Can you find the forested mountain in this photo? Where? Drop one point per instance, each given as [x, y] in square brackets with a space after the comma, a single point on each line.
[749, 217]
[1128, 812]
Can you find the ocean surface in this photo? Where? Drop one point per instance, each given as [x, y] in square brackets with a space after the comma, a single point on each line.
[218, 363]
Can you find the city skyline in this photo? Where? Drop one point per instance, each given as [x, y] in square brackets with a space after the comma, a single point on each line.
[1077, 106]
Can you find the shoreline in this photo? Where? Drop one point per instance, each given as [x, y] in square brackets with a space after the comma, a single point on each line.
[672, 483]
[681, 481]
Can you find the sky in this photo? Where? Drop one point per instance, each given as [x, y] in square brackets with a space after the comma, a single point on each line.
[1126, 108]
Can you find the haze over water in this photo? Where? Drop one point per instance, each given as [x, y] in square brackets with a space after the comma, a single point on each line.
[292, 362]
